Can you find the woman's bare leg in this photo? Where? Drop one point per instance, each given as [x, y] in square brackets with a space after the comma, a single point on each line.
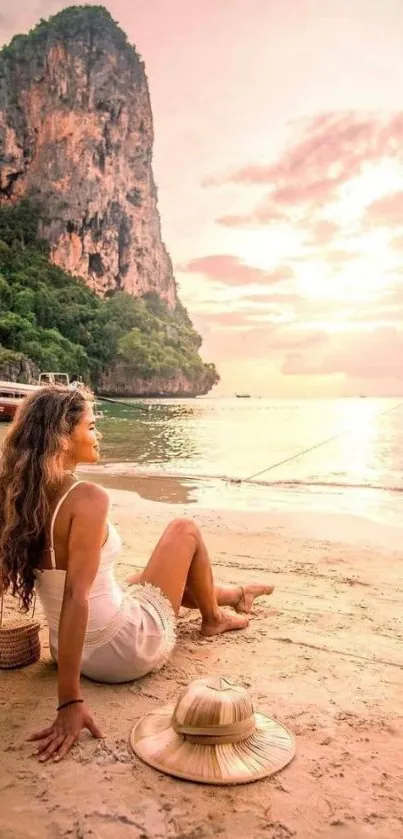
[226, 595]
[240, 598]
[179, 561]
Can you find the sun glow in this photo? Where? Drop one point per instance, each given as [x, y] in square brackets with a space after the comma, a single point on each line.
[357, 283]
[375, 182]
[269, 247]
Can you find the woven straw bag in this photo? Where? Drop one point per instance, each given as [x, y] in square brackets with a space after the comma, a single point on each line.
[19, 641]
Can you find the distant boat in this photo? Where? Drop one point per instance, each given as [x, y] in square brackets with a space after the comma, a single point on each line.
[242, 395]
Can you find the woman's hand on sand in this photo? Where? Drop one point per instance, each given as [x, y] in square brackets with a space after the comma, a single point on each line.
[56, 740]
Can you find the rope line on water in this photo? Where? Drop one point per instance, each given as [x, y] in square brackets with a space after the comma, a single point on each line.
[278, 462]
[309, 449]
[116, 402]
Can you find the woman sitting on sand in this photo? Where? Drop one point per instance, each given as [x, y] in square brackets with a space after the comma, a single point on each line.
[55, 538]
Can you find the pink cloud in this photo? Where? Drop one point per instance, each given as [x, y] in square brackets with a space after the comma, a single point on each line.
[379, 314]
[239, 320]
[295, 309]
[230, 270]
[386, 211]
[321, 232]
[333, 150]
[334, 257]
[370, 355]
[316, 193]
[267, 340]
[339, 255]
[289, 337]
[273, 296]
[261, 215]
[233, 345]
[387, 307]
[397, 243]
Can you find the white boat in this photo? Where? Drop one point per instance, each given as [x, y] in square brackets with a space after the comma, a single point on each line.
[11, 396]
[13, 393]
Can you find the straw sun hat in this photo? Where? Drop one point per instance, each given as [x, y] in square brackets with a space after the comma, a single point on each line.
[213, 736]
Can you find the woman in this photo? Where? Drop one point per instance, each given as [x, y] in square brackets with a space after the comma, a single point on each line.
[55, 538]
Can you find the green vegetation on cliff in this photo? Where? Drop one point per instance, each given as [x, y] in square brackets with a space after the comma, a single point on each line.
[72, 22]
[53, 319]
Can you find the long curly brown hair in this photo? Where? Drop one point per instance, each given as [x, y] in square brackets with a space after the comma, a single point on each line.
[31, 474]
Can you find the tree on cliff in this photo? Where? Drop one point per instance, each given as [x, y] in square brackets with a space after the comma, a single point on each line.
[53, 319]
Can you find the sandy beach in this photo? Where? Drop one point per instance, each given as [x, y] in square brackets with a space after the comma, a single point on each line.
[323, 655]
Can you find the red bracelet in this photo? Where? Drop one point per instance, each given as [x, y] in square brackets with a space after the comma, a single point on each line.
[70, 702]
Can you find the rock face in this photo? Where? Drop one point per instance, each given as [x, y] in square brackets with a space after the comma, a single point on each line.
[116, 382]
[76, 133]
[14, 367]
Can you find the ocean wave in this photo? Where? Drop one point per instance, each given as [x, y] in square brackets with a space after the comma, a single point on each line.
[330, 484]
[139, 470]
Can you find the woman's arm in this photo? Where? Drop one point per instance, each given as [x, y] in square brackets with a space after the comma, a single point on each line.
[87, 534]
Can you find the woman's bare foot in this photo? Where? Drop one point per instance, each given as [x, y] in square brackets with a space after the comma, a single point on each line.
[223, 623]
[248, 595]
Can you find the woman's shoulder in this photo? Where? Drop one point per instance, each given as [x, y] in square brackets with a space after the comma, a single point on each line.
[89, 494]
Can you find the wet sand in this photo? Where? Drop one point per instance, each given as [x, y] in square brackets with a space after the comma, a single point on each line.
[323, 655]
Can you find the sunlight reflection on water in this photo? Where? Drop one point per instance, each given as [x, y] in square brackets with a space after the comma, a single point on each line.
[203, 441]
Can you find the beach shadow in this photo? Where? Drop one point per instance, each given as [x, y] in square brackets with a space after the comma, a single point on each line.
[160, 488]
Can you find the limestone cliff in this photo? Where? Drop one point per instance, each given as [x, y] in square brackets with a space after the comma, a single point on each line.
[115, 382]
[76, 132]
[15, 367]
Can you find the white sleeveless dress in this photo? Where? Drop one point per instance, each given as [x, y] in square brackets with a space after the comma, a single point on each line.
[129, 633]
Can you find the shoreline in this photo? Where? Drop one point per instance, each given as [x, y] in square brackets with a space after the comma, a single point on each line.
[172, 496]
[323, 655]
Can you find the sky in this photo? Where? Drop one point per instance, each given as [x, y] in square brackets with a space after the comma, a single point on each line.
[279, 163]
